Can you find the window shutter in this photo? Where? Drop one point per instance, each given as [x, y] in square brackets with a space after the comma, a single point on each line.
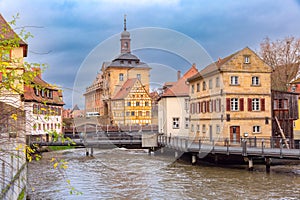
[241, 104]
[207, 106]
[220, 106]
[262, 104]
[200, 104]
[191, 108]
[227, 104]
[0, 76]
[249, 104]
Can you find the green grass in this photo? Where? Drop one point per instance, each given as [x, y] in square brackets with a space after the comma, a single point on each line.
[58, 148]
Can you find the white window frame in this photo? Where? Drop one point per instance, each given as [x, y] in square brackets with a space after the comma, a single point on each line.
[255, 104]
[234, 104]
[175, 123]
[246, 59]
[256, 129]
[234, 80]
[255, 80]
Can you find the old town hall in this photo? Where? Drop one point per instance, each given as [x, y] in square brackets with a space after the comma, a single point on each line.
[120, 92]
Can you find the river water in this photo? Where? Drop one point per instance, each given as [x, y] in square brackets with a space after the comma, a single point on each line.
[133, 174]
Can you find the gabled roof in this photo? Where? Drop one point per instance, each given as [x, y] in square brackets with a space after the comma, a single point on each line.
[75, 108]
[217, 65]
[180, 88]
[9, 34]
[125, 89]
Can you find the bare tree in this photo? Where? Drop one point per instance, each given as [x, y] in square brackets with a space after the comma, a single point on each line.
[284, 56]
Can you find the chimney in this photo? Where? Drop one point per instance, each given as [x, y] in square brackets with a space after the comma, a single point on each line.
[37, 71]
[219, 60]
[178, 74]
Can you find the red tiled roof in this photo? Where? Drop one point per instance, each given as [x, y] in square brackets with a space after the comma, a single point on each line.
[213, 67]
[8, 33]
[125, 89]
[180, 88]
[29, 94]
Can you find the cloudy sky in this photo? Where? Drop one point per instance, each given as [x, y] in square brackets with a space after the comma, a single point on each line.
[67, 31]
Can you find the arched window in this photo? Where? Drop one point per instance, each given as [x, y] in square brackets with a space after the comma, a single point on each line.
[121, 77]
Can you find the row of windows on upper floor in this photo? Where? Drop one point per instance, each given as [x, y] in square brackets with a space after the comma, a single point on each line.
[133, 113]
[46, 127]
[137, 103]
[43, 93]
[234, 80]
[176, 125]
[232, 104]
[46, 110]
[121, 76]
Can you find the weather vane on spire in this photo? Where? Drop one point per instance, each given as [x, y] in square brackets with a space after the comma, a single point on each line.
[125, 22]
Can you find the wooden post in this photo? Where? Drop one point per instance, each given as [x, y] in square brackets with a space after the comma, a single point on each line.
[262, 147]
[227, 146]
[268, 164]
[282, 134]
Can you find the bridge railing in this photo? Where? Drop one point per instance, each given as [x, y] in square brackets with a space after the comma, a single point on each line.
[249, 142]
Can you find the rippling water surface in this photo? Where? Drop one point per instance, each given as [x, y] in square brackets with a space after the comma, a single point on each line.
[133, 174]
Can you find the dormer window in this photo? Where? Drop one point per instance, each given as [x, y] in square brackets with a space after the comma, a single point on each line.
[36, 91]
[246, 59]
[50, 94]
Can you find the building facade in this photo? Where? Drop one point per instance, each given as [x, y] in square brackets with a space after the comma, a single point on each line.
[13, 166]
[43, 105]
[173, 106]
[132, 104]
[99, 97]
[231, 98]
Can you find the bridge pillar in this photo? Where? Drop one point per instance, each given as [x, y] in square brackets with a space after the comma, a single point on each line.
[268, 164]
[194, 159]
[86, 151]
[250, 166]
[92, 151]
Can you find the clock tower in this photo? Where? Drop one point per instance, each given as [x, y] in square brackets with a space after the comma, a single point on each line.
[125, 39]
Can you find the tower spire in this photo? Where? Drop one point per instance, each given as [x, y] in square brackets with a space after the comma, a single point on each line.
[125, 22]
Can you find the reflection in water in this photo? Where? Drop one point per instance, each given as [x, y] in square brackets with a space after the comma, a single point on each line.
[130, 174]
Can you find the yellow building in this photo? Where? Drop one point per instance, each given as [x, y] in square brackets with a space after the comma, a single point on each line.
[231, 98]
[113, 76]
[295, 87]
[132, 104]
